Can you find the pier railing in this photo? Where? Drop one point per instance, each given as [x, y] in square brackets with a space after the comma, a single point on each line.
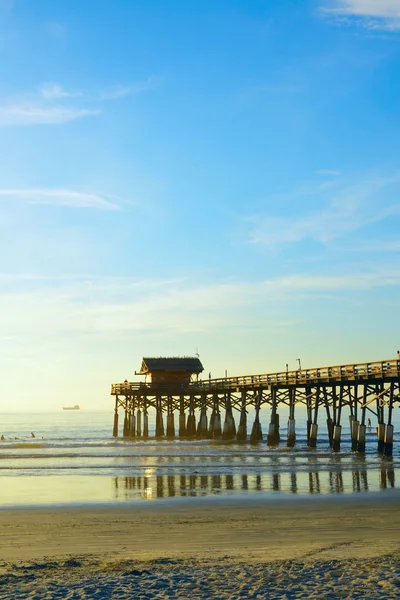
[385, 370]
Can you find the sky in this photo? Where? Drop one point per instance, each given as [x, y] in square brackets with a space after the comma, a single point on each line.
[218, 177]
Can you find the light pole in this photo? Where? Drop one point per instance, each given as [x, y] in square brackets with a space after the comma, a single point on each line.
[299, 363]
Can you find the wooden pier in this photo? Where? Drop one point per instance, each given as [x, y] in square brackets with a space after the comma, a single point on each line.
[175, 388]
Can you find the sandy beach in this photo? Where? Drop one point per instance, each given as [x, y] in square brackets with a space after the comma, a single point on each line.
[323, 548]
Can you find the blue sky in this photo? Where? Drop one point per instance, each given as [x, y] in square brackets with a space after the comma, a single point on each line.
[212, 175]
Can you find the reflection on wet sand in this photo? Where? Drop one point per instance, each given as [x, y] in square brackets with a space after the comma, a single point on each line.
[304, 483]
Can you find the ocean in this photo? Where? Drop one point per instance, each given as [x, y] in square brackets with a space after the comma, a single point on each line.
[74, 460]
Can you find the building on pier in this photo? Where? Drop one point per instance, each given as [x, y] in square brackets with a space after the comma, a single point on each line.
[170, 371]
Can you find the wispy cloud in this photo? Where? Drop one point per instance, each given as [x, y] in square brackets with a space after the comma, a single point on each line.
[347, 208]
[52, 104]
[122, 305]
[53, 91]
[371, 14]
[25, 113]
[58, 197]
[43, 107]
[119, 91]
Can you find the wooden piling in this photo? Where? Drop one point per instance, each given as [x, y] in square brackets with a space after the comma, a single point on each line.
[313, 431]
[202, 428]
[139, 422]
[291, 429]
[273, 430]
[389, 430]
[115, 426]
[362, 428]
[159, 418]
[229, 431]
[182, 417]
[215, 431]
[242, 429]
[309, 412]
[170, 418]
[191, 421]
[145, 421]
[256, 431]
[126, 423]
[337, 432]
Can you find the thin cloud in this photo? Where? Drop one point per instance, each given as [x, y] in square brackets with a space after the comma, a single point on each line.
[53, 105]
[167, 306]
[36, 114]
[371, 14]
[53, 91]
[58, 197]
[348, 209]
[119, 91]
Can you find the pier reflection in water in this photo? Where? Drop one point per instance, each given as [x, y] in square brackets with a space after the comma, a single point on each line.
[301, 483]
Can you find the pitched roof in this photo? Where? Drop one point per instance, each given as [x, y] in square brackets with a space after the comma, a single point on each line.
[187, 363]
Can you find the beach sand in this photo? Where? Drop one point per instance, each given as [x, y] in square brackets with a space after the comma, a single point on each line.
[326, 548]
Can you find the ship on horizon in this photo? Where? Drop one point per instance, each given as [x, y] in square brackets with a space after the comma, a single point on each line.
[75, 407]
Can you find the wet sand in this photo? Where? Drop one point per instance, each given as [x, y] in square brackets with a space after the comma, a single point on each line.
[227, 549]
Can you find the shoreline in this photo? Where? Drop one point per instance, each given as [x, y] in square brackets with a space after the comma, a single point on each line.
[364, 527]
[249, 499]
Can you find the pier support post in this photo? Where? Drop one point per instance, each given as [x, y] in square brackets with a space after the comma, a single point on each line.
[145, 422]
[291, 437]
[159, 418]
[291, 429]
[126, 423]
[229, 431]
[182, 417]
[291, 433]
[337, 432]
[191, 421]
[273, 430]
[388, 448]
[242, 429]
[353, 431]
[313, 427]
[202, 428]
[215, 420]
[309, 413]
[361, 436]
[381, 429]
[170, 419]
[256, 431]
[115, 426]
[170, 425]
[132, 423]
[139, 422]
[313, 435]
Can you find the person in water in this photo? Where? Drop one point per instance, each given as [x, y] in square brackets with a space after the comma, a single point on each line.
[369, 423]
[2, 437]
[32, 434]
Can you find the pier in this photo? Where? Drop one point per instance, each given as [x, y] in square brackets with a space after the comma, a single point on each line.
[206, 408]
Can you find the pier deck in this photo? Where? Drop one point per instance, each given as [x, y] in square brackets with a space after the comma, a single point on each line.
[362, 389]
